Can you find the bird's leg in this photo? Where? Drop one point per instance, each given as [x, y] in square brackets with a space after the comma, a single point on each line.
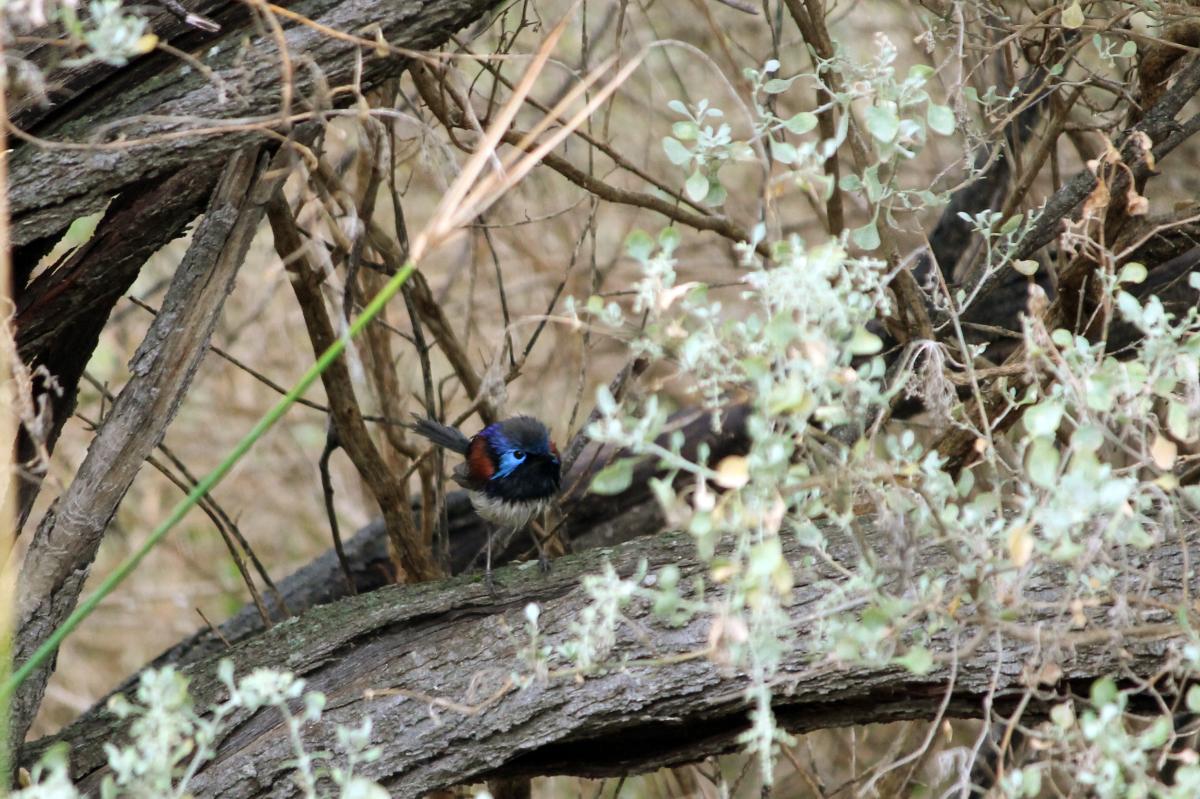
[487, 569]
[536, 533]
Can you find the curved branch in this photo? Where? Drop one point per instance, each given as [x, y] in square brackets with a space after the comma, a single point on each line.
[590, 520]
[433, 666]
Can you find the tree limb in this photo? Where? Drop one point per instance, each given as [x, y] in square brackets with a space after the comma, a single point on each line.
[590, 520]
[168, 114]
[61, 313]
[1167, 134]
[161, 185]
[432, 665]
[66, 541]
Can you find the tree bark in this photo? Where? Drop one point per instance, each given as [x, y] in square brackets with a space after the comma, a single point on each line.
[158, 100]
[86, 153]
[61, 313]
[439, 660]
[65, 543]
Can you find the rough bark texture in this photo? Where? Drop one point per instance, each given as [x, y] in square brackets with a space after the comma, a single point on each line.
[162, 185]
[439, 659]
[159, 94]
[452, 643]
[65, 544]
[61, 313]
[1160, 126]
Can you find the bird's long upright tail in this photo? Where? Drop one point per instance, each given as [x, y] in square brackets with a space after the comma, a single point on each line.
[440, 434]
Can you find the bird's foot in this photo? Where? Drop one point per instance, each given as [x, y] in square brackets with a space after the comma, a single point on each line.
[543, 563]
[490, 582]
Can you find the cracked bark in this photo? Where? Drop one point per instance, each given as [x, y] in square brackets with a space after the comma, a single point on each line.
[61, 314]
[161, 186]
[439, 655]
[591, 521]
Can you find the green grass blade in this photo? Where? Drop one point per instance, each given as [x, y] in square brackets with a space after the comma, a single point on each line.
[210, 480]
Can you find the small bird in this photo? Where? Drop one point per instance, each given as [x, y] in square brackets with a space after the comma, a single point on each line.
[511, 471]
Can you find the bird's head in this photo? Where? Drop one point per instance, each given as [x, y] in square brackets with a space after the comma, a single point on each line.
[522, 461]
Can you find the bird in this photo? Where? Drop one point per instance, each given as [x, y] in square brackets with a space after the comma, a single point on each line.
[511, 469]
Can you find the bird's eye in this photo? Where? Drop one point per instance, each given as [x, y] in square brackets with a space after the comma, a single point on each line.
[518, 454]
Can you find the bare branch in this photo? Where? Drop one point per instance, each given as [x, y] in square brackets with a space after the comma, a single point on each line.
[68, 536]
[413, 557]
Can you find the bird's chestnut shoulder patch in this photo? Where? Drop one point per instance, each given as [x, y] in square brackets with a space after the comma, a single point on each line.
[479, 460]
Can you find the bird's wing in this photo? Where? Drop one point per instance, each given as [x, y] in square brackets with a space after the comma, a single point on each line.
[462, 476]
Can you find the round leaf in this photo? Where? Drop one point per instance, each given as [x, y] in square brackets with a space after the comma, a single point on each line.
[1104, 691]
[864, 342]
[685, 130]
[940, 119]
[783, 152]
[1132, 272]
[883, 123]
[801, 123]
[676, 151]
[1177, 420]
[638, 245]
[1043, 419]
[696, 186]
[1072, 16]
[614, 478]
[1020, 545]
[1042, 463]
[1193, 699]
[778, 85]
[1163, 451]
[866, 236]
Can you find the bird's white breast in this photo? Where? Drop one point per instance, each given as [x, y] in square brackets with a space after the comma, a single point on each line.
[513, 515]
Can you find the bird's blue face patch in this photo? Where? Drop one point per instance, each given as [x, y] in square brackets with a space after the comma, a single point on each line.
[509, 460]
[511, 454]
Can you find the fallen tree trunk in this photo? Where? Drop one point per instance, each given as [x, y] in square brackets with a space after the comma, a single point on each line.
[432, 665]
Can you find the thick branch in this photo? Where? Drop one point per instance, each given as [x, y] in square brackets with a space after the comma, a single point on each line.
[438, 658]
[65, 544]
[1167, 134]
[159, 100]
[161, 186]
[61, 313]
[590, 520]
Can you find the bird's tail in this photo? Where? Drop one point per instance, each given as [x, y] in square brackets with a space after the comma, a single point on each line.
[440, 434]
